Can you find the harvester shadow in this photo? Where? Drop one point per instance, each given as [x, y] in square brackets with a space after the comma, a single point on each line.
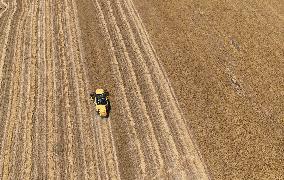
[108, 111]
[109, 107]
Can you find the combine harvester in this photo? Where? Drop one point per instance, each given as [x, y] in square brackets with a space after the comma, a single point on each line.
[101, 100]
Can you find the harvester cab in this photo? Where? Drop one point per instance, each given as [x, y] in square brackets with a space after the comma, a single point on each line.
[101, 100]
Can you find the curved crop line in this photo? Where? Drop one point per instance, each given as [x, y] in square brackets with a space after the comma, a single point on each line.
[144, 65]
[148, 80]
[127, 63]
[155, 59]
[146, 75]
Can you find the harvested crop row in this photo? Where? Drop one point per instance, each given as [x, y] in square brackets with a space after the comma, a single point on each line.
[169, 104]
[48, 126]
[139, 74]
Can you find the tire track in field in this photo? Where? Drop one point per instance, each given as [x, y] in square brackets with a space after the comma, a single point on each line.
[94, 124]
[29, 165]
[160, 126]
[80, 55]
[27, 82]
[80, 115]
[85, 120]
[41, 100]
[81, 100]
[104, 133]
[80, 110]
[72, 94]
[35, 121]
[157, 140]
[114, 159]
[69, 155]
[134, 144]
[35, 117]
[61, 142]
[79, 90]
[188, 152]
[25, 115]
[8, 141]
[138, 106]
[101, 164]
[112, 171]
[51, 86]
[102, 157]
[111, 168]
[83, 92]
[56, 147]
[197, 161]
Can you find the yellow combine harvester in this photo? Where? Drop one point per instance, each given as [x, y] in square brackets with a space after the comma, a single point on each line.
[101, 100]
